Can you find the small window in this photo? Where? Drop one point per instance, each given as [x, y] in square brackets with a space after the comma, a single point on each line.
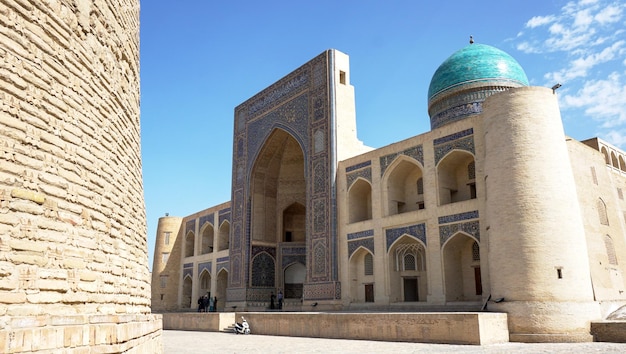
[475, 252]
[472, 187]
[610, 250]
[165, 256]
[559, 273]
[342, 77]
[162, 297]
[368, 264]
[594, 177]
[620, 194]
[409, 262]
[288, 236]
[167, 238]
[420, 205]
[163, 281]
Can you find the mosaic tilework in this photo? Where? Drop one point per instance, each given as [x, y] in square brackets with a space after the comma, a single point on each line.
[188, 265]
[416, 152]
[263, 270]
[203, 266]
[322, 291]
[188, 270]
[260, 294]
[223, 263]
[258, 249]
[418, 231]
[291, 117]
[190, 226]
[455, 114]
[288, 260]
[447, 231]
[298, 104]
[224, 215]
[364, 173]
[463, 140]
[360, 234]
[207, 218]
[458, 217]
[367, 243]
[277, 93]
[235, 294]
[222, 259]
[287, 250]
[319, 258]
[358, 166]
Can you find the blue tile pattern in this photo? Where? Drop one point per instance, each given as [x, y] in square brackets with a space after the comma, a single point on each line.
[288, 260]
[458, 217]
[367, 243]
[416, 152]
[204, 265]
[188, 272]
[188, 265]
[476, 63]
[190, 226]
[463, 140]
[360, 234]
[449, 230]
[207, 218]
[364, 173]
[224, 215]
[258, 249]
[358, 166]
[418, 231]
[263, 270]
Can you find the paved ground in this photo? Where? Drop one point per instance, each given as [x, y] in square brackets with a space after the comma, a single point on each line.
[181, 342]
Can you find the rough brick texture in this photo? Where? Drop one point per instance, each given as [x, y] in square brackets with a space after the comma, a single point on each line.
[72, 216]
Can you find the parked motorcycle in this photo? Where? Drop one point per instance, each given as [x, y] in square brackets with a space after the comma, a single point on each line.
[243, 327]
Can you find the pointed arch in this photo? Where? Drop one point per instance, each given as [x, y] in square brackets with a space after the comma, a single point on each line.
[190, 241]
[187, 290]
[462, 279]
[610, 250]
[359, 200]
[406, 264]
[362, 280]
[205, 282]
[263, 270]
[276, 180]
[220, 291]
[223, 240]
[401, 184]
[603, 216]
[207, 233]
[614, 162]
[456, 177]
[294, 276]
[604, 152]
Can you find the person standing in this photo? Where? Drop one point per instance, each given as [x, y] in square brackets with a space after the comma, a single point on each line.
[272, 297]
[280, 300]
[214, 303]
[211, 305]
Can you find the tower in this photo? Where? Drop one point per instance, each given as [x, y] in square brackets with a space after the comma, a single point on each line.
[73, 254]
[537, 248]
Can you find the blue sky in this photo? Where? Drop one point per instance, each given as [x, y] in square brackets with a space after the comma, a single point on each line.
[202, 58]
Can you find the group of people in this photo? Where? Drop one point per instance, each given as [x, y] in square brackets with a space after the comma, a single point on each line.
[207, 303]
[280, 300]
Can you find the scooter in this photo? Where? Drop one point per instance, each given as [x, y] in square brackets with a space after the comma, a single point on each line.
[243, 327]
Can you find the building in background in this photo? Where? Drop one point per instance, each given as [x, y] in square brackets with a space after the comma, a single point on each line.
[494, 206]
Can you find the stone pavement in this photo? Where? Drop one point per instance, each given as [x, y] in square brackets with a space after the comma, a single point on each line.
[182, 342]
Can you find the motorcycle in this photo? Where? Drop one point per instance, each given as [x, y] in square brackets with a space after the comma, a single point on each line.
[243, 327]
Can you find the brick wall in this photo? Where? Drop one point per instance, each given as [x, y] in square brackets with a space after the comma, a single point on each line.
[72, 215]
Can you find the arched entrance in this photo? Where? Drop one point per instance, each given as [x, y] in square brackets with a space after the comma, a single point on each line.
[295, 275]
[205, 283]
[362, 276]
[461, 263]
[407, 266]
[187, 289]
[220, 292]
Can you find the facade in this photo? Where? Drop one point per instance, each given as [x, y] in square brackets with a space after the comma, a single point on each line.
[493, 208]
[74, 274]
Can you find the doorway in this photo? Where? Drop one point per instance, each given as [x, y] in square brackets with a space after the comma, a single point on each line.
[410, 289]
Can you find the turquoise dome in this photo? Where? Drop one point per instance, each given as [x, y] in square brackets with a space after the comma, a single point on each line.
[467, 77]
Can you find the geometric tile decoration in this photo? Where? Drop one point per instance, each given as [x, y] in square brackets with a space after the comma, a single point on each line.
[358, 166]
[203, 266]
[367, 243]
[360, 234]
[190, 226]
[416, 152]
[418, 231]
[469, 227]
[224, 214]
[458, 217]
[207, 218]
[463, 140]
[364, 173]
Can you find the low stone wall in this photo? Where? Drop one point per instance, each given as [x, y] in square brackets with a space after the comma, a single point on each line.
[609, 331]
[198, 321]
[133, 333]
[447, 328]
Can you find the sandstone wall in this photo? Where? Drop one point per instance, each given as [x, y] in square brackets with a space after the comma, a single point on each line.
[73, 253]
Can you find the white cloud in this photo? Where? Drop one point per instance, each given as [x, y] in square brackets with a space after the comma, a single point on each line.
[602, 100]
[585, 44]
[539, 21]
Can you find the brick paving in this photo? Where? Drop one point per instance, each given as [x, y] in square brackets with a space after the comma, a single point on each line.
[182, 342]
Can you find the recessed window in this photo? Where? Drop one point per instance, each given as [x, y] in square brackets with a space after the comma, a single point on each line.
[342, 77]
[559, 273]
[165, 256]
[368, 264]
[167, 238]
[163, 281]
